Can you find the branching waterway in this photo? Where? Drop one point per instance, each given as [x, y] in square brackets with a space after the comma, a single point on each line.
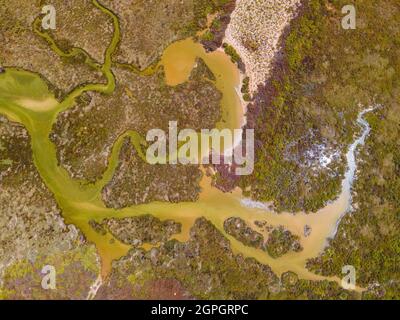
[25, 98]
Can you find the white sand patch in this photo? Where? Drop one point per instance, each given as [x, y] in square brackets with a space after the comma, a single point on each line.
[38, 105]
[249, 203]
[254, 31]
[94, 288]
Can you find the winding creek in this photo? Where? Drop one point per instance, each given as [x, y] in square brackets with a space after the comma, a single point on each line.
[24, 98]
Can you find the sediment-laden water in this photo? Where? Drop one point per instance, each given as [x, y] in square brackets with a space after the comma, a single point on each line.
[24, 98]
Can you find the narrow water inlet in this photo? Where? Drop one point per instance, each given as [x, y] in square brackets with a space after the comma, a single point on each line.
[324, 223]
[352, 164]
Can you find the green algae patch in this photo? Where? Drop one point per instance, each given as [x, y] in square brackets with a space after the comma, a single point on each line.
[26, 90]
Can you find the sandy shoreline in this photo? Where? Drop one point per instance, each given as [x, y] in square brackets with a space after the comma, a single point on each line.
[262, 35]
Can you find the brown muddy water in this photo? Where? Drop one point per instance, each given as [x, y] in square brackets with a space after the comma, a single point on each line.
[179, 60]
[81, 203]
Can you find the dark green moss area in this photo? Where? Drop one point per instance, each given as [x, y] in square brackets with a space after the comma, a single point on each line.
[201, 71]
[143, 229]
[202, 8]
[309, 106]
[281, 241]
[368, 238]
[213, 36]
[208, 36]
[98, 227]
[204, 267]
[237, 228]
[245, 89]
[230, 51]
